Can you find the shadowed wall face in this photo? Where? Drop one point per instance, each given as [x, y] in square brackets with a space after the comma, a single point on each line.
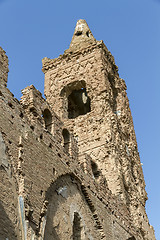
[8, 216]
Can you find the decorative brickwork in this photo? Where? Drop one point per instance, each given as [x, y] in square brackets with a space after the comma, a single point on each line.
[69, 166]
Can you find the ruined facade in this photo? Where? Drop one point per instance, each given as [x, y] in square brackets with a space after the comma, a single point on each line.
[69, 165]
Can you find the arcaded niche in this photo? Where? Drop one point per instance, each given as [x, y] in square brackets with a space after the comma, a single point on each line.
[69, 165]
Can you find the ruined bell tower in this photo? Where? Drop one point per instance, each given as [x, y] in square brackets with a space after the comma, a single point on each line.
[84, 88]
[69, 164]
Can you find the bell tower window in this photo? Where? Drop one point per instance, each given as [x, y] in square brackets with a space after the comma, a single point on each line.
[78, 103]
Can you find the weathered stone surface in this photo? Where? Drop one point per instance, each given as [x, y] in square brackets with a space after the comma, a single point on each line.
[70, 167]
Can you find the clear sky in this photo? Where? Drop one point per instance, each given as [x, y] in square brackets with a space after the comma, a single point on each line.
[33, 29]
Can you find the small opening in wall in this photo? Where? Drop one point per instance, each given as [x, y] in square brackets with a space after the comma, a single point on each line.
[78, 103]
[68, 163]
[41, 136]
[21, 114]
[48, 119]
[50, 145]
[78, 33]
[77, 229]
[32, 127]
[95, 171]
[87, 33]
[10, 104]
[66, 139]
[54, 171]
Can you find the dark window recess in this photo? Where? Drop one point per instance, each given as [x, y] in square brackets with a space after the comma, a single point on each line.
[54, 171]
[21, 114]
[87, 33]
[66, 139]
[78, 33]
[78, 103]
[32, 127]
[33, 111]
[95, 171]
[50, 145]
[10, 104]
[77, 227]
[48, 119]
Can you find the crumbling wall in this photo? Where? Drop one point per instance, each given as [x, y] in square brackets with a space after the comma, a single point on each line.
[37, 159]
[106, 131]
[8, 206]
[86, 184]
[65, 200]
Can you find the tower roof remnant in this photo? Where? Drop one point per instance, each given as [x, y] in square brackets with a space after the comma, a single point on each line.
[82, 36]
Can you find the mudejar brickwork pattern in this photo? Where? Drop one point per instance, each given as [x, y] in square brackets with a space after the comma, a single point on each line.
[69, 165]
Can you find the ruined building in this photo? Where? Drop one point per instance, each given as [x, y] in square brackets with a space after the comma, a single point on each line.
[69, 165]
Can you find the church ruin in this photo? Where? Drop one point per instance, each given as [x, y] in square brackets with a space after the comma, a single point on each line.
[69, 165]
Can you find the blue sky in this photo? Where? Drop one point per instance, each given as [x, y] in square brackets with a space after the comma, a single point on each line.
[33, 29]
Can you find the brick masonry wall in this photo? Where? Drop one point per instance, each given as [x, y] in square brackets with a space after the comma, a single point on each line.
[50, 192]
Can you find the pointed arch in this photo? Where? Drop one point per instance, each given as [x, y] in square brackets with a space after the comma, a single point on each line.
[75, 99]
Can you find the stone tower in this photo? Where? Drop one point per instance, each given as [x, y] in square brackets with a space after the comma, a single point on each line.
[69, 165]
[84, 88]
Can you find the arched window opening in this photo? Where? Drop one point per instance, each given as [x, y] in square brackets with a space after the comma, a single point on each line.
[77, 228]
[78, 103]
[66, 139]
[95, 171]
[48, 119]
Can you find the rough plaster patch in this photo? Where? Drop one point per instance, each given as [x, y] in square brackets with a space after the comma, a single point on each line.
[62, 191]
[3, 156]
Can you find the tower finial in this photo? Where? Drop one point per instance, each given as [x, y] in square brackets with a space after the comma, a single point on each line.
[82, 36]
